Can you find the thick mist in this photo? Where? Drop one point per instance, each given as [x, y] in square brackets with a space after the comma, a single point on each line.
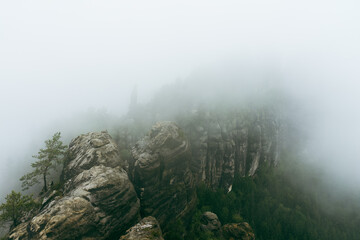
[72, 66]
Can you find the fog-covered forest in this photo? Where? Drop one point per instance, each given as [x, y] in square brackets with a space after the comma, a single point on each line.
[264, 94]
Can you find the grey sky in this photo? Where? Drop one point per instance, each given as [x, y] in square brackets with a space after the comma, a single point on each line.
[62, 57]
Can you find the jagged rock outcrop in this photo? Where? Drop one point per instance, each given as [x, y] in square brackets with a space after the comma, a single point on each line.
[99, 200]
[161, 173]
[92, 149]
[240, 231]
[231, 143]
[20, 232]
[147, 228]
[210, 222]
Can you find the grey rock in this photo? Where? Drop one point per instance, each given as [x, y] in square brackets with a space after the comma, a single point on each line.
[68, 218]
[147, 228]
[99, 200]
[91, 149]
[210, 222]
[161, 173]
[19, 233]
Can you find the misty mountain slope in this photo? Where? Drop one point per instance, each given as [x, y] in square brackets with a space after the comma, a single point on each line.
[226, 136]
[288, 202]
[95, 165]
[229, 169]
[243, 122]
[231, 130]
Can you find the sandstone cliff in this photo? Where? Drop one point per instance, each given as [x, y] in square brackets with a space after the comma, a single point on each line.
[161, 175]
[231, 143]
[98, 202]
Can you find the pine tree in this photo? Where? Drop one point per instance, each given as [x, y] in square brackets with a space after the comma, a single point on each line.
[15, 207]
[48, 158]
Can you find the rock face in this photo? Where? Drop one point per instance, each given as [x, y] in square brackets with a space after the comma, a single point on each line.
[99, 201]
[241, 231]
[147, 228]
[161, 173]
[229, 144]
[92, 149]
[210, 222]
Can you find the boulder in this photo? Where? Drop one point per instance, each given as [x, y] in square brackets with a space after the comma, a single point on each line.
[147, 228]
[210, 222]
[91, 149]
[162, 176]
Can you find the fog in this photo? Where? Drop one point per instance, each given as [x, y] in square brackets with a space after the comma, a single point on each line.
[63, 63]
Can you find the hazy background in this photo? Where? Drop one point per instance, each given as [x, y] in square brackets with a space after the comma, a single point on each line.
[64, 62]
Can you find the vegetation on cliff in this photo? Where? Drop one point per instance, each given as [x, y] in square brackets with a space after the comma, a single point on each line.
[240, 164]
[287, 202]
[16, 207]
[48, 158]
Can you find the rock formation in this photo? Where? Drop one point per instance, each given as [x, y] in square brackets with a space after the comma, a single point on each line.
[161, 173]
[98, 202]
[231, 144]
[210, 222]
[147, 228]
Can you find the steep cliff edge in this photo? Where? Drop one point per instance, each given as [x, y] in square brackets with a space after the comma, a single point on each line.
[231, 143]
[161, 173]
[98, 202]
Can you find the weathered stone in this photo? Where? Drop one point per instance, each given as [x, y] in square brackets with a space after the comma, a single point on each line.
[92, 149]
[147, 228]
[69, 218]
[111, 192]
[99, 200]
[161, 173]
[210, 222]
[19, 232]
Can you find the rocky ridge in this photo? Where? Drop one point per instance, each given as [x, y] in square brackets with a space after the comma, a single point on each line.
[98, 202]
[161, 173]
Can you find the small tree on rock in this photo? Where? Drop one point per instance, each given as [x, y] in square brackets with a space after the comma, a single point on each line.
[48, 158]
[15, 207]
